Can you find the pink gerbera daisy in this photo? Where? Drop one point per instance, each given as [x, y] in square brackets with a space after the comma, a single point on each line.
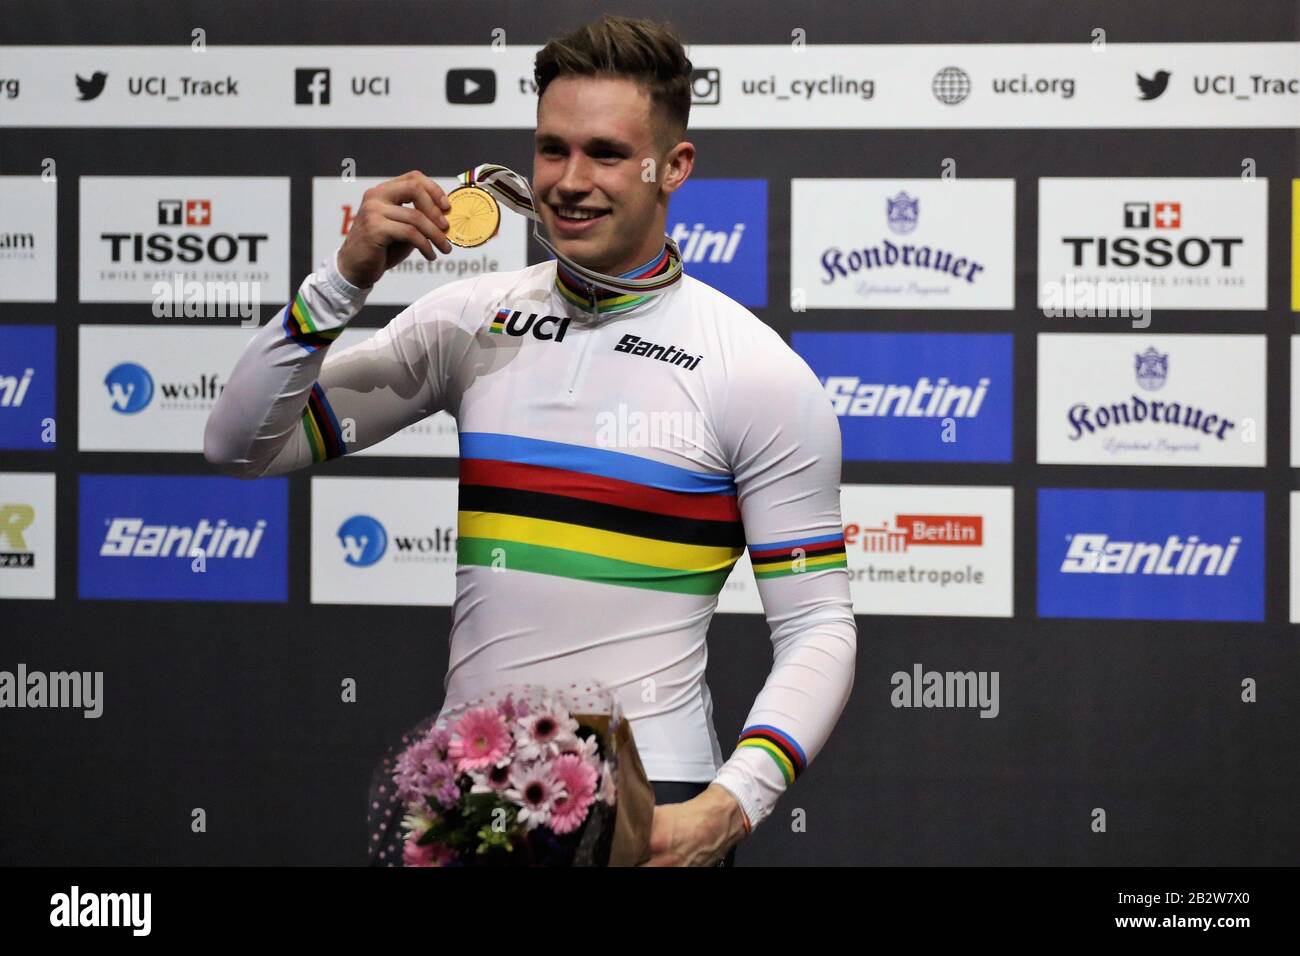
[534, 789]
[578, 778]
[546, 731]
[479, 739]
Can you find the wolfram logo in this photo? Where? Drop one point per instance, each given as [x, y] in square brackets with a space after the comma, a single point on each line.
[850, 396]
[132, 538]
[364, 540]
[130, 388]
[1152, 369]
[902, 213]
[1099, 554]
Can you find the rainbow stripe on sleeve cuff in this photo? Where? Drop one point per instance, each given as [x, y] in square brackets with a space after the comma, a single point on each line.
[322, 427]
[797, 556]
[780, 746]
[300, 325]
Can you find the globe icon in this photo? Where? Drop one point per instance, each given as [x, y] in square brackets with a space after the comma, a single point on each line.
[951, 85]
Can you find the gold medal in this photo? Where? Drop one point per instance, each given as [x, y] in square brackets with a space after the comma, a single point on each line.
[474, 216]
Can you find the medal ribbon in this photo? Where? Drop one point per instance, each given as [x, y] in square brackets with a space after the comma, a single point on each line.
[513, 190]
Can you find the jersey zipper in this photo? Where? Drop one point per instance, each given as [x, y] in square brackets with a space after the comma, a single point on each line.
[586, 339]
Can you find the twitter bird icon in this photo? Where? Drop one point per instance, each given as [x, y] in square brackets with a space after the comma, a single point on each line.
[1152, 88]
[92, 87]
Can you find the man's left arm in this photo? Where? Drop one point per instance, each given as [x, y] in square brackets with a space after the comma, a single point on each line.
[782, 440]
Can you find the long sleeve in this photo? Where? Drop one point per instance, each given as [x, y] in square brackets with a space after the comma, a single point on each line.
[291, 401]
[783, 441]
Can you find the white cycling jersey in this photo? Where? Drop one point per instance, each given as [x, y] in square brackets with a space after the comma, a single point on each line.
[615, 462]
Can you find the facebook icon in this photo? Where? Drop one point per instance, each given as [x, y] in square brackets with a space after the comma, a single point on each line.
[311, 86]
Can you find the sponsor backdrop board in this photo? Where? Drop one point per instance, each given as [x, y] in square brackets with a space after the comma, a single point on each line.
[1048, 282]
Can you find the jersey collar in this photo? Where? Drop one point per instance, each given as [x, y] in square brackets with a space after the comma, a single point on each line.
[578, 292]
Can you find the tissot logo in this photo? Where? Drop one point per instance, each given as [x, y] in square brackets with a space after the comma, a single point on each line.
[190, 247]
[471, 87]
[1156, 252]
[184, 212]
[311, 86]
[88, 89]
[1145, 215]
[1150, 89]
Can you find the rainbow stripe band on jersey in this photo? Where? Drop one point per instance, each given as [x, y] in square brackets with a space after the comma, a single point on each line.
[300, 325]
[594, 514]
[322, 427]
[797, 556]
[499, 322]
[780, 746]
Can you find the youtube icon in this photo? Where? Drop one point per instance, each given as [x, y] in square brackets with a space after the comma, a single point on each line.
[471, 86]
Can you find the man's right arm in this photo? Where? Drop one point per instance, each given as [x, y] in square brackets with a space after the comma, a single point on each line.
[291, 402]
[288, 404]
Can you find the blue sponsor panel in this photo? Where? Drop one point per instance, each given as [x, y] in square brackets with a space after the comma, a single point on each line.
[26, 385]
[139, 537]
[720, 226]
[1151, 555]
[916, 396]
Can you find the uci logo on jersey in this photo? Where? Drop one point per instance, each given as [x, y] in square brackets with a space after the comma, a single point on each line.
[546, 327]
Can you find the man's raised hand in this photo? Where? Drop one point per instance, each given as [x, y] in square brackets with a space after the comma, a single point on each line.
[384, 231]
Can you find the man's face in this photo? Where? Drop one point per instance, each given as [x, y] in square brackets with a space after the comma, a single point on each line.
[593, 134]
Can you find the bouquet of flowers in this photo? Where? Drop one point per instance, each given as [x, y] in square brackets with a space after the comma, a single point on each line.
[528, 776]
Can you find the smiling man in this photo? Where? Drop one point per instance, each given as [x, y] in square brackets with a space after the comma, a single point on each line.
[585, 550]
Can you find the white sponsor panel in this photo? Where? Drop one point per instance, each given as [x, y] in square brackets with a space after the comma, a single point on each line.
[940, 550]
[336, 202]
[151, 387]
[26, 535]
[933, 550]
[1295, 557]
[433, 437]
[383, 541]
[28, 239]
[1182, 243]
[902, 243]
[1137, 399]
[188, 245]
[804, 84]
